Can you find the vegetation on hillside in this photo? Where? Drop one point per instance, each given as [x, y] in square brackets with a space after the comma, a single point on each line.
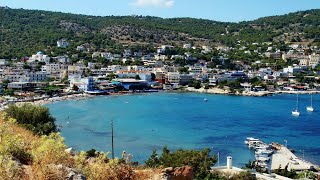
[24, 31]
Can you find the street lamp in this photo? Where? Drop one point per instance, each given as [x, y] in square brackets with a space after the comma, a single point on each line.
[302, 154]
[286, 143]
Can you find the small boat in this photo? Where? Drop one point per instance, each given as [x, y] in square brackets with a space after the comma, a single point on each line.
[205, 100]
[263, 159]
[310, 108]
[252, 142]
[296, 112]
[261, 152]
[262, 164]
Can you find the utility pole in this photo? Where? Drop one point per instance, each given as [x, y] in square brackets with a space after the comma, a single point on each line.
[286, 143]
[112, 138]
[2, 40]
[218, 158]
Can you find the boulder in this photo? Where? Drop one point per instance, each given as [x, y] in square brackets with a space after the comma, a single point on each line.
[183, 173]
[179, 173]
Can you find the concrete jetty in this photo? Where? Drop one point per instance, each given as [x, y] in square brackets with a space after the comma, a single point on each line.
[284, 156]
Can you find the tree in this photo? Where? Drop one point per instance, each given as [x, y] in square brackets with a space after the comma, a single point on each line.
[111, 76]
[137, 77]
[153, 160]
[8, 92]
[26, 66]
[75, 88]
[285, 172]
[199, 160]
[35, 118]
[5, 83]
[184, 70]
[153, 76]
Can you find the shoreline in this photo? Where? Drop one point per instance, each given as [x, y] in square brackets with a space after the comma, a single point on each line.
[40, 101]
[246, 93]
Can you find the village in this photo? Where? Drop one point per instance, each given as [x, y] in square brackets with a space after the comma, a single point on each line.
[270, 68]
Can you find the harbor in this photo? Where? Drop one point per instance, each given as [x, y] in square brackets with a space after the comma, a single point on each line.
[263, 153]
[269, 157]
[284, 157]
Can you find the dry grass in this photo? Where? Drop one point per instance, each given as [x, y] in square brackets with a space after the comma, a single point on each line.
[49, 160]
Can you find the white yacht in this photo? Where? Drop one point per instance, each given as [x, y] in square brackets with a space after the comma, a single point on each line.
[310, 108]
[251, 140]
[296, 112]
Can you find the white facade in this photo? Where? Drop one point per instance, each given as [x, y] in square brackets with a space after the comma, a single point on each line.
[114, 68]
[314, 60]
[62, 43]
[173, 77]
[195, 70]
[36, 76]
[62, 59]
[24, 76]
[3, 62]
[304, 62]
[187, 46]
[50, 68]
[39, 57]
[291, 69]
[84, 84]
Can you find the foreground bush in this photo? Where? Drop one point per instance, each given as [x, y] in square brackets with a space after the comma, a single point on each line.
[102, 168]
[200, 161]
[34, 118]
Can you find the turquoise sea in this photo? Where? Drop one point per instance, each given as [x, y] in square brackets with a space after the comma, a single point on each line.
[143, 122]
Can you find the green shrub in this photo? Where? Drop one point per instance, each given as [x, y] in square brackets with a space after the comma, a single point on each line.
[34, 118]
[200, 161]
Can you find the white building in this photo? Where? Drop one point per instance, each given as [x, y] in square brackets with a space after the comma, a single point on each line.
[292, 69]
[95, 55]
[39, 57]
[304, 62]
[84, 84]
[195, 70]
[160, 57]
[177, 78]
[143, 75]
[81, 48]
[173, 77]
[187, 46]
[50, 68]
[114, 68]
[314, 60]
[62, 43]
[35, 76]
[62, 59]
[3, 62]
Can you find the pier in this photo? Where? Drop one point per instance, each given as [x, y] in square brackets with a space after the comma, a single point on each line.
[283, 156]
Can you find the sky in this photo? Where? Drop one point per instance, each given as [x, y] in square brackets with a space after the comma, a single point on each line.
[220, 10]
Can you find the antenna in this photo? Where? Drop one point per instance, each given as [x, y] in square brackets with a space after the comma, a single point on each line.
[2, 40]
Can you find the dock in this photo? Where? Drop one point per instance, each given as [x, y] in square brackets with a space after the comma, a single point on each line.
[284, 156]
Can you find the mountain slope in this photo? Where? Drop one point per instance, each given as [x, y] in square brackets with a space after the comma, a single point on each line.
[25, 31]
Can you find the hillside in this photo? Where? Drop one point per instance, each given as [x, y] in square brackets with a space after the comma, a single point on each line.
[24, 32]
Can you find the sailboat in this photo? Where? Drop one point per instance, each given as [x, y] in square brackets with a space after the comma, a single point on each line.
[310, 108]
[296, 112]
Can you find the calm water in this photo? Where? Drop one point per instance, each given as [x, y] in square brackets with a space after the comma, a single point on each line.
[144, 122]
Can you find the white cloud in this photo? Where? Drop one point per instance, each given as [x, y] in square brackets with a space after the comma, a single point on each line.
[153, 3]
